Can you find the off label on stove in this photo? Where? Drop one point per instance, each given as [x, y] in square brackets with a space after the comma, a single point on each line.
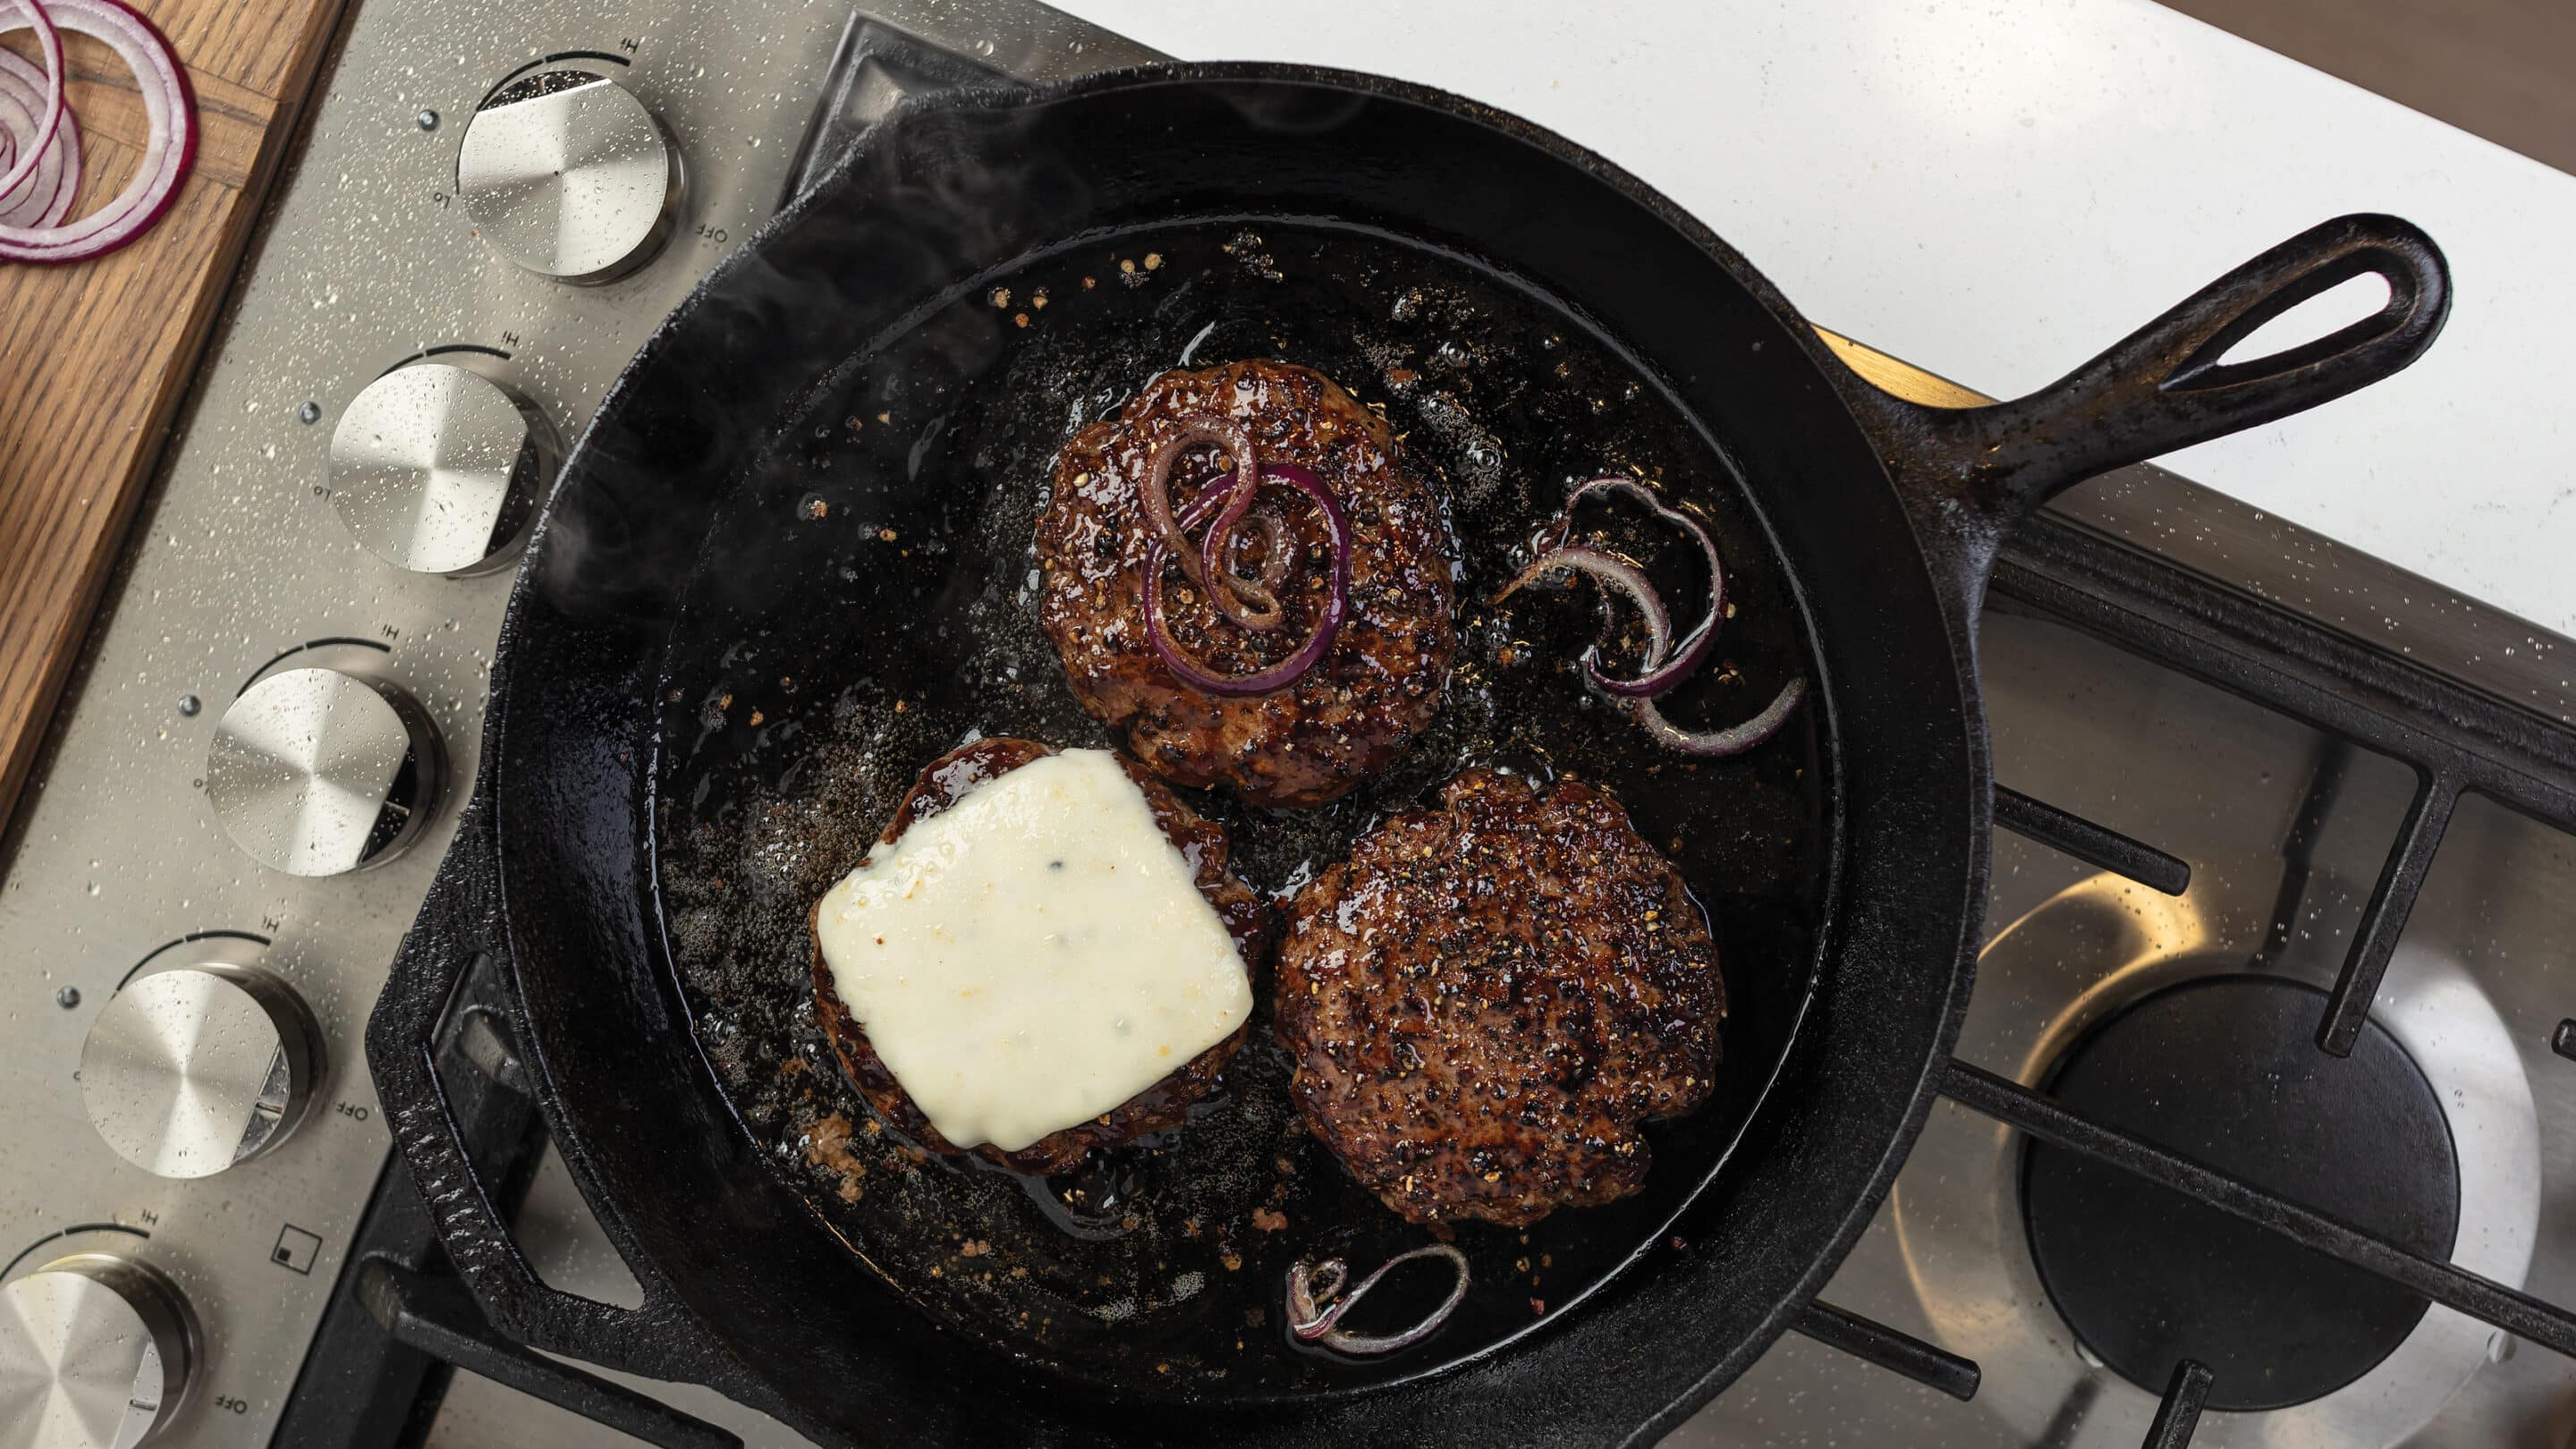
[295, 1249]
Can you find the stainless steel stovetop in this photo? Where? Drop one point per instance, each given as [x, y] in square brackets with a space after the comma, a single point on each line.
[194, 943]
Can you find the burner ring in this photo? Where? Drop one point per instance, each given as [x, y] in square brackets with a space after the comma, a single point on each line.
[2223, 1069]
[1960, 1231]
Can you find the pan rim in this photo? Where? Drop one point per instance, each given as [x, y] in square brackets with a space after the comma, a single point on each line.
[1970, 739]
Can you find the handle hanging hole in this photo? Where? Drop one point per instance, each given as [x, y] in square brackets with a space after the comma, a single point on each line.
[553, 1224]
[2339, 306]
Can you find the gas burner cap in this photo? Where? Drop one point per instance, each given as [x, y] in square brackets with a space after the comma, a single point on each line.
[2225, 1069]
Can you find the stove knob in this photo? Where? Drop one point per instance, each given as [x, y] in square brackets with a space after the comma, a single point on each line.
[568, 175]
[191, 1070]
[438, 469]
[95, 1353]
[315, 772]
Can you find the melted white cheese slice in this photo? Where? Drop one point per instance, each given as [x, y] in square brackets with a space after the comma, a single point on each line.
[1034, 955]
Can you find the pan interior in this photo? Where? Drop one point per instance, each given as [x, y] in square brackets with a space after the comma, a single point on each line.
[865, 602]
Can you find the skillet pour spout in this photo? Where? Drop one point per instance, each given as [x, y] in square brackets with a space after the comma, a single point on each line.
[1969, 474]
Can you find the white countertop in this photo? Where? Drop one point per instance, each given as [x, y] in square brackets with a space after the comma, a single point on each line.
[1996, 190]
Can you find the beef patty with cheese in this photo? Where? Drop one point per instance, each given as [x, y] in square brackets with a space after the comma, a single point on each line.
[1045, 953]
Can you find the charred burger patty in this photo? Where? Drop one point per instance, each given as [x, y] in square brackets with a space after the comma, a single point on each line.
[1380, 678]
[1487, 999]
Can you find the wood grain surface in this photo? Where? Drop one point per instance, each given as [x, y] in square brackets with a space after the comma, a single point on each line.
[96, 356]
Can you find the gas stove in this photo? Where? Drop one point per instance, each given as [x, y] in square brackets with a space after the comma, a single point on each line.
[2191, 1019]
[2237, 830]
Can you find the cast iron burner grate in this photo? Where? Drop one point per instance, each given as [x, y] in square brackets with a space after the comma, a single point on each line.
[2457, 742]
[400, 1318]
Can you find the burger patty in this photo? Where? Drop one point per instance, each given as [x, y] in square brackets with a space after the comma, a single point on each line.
[1370, 694]
[1487, 999]
[942, 783]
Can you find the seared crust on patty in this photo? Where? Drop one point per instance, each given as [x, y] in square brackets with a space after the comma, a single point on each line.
[1370, 694]
[945, 781]
[1488, 997]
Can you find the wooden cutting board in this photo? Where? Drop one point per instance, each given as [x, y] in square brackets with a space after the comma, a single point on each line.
[96, 357]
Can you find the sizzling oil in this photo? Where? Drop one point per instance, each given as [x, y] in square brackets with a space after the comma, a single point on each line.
[867, 603]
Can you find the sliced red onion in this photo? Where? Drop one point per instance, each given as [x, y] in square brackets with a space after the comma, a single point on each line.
[1251, 603]
[1315, 1314]
[1278, 548]
[1665, 667]
[1156, 492]
[1278, 556]
[1609, 569]
[1248, 603]
[1337, 598]
[1660, 675]
[46, 196]
[1733, 740]
[169, 150]
[31, 143]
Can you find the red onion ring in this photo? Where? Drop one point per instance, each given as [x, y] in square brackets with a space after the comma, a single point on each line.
[168, 153]
[1665, 667]
[1249, 603]
[1337, 594]
[49, 110]
[1235, 440]
[1693, 651]
[1734, 739]
[1261, 594]
[1312, 1322]
[1609, 569]
[1263, 613]
[46, 197]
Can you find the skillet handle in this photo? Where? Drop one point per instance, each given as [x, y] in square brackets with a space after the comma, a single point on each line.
[2164, 386]
[459, 928]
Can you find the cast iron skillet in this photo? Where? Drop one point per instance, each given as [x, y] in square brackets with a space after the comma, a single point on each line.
[1866, 524]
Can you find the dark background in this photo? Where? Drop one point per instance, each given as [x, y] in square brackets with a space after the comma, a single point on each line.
[2505, 69]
